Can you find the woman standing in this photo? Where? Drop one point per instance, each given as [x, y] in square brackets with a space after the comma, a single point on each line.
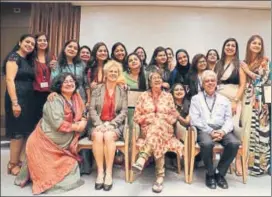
[43, 60]
[170, 55]
[69, 61]
[232, 82]
[85, 54]
[119, 53]
[199, 65]
[212, 57]
[19, 98]
[100, 56]
[179, 74]
[159, 62]
[142, 54]
[256, 67]
[231, 77]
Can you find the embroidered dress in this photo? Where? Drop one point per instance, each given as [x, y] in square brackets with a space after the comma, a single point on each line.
[156, 121]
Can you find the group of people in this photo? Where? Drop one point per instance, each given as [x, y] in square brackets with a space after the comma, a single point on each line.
[51, 102]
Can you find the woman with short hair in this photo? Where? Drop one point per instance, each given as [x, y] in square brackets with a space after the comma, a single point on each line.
[51, 149]
[108, 112]
[155, 112]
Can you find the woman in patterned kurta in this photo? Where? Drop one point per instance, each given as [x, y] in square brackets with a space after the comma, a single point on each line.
[257, 68]
[155, 112]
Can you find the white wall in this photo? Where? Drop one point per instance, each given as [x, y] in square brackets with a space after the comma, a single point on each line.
[194, 29]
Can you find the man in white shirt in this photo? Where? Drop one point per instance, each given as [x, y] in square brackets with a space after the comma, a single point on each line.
[211, 114]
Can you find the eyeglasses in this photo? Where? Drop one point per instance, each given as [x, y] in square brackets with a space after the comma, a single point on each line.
[67, 82]
[178, 89]
[209, 80]
[202, 62]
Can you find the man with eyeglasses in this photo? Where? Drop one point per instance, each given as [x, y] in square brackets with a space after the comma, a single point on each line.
[211, 114]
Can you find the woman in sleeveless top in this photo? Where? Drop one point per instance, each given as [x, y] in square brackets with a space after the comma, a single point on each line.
[232, 82]
[256, 67]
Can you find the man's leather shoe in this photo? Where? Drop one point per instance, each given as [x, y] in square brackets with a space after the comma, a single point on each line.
[98, 186]
[107, 187]
[210, 181]
[221, 181]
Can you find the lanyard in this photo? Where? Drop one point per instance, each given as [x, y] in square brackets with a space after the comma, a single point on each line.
[210, 109]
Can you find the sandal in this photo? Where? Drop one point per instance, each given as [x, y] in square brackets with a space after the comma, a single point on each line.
[238, 172]
[137, 168]
[157, 187]
[11, 168]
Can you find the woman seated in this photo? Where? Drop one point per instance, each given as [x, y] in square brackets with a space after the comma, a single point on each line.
[183, 120]
[155, 113]
[182, 104]
[51, 149]
[108, 112]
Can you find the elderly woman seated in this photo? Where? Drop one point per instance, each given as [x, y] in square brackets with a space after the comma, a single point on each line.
[155, 113]
[51, 154]
[108, 111]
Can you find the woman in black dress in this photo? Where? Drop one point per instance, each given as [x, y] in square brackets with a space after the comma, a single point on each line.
[19, 98]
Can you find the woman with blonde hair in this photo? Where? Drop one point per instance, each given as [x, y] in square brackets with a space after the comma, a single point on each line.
[256, 66]
[108, 111]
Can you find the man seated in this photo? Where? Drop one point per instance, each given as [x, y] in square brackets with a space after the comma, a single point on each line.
[210, 113]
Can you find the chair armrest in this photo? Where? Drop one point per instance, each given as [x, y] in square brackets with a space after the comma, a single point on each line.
[181, 132]
[126, 132]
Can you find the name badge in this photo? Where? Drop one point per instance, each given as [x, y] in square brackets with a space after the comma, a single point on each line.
[44, 85]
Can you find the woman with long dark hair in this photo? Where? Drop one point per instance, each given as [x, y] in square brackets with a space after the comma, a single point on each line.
[43, 61]
[232, 82]
[119, 53]
[199, 65]
[142, 54]
[19, 98]
[212, 57]
[100, 56]
[69, 61]
[170, 55]
[159, 62]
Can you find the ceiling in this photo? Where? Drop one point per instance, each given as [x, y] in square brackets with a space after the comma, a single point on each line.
[223, 4]
[217, 4]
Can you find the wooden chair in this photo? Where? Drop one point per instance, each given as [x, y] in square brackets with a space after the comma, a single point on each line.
[136, 135]
[121, 145]
[194, 150]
